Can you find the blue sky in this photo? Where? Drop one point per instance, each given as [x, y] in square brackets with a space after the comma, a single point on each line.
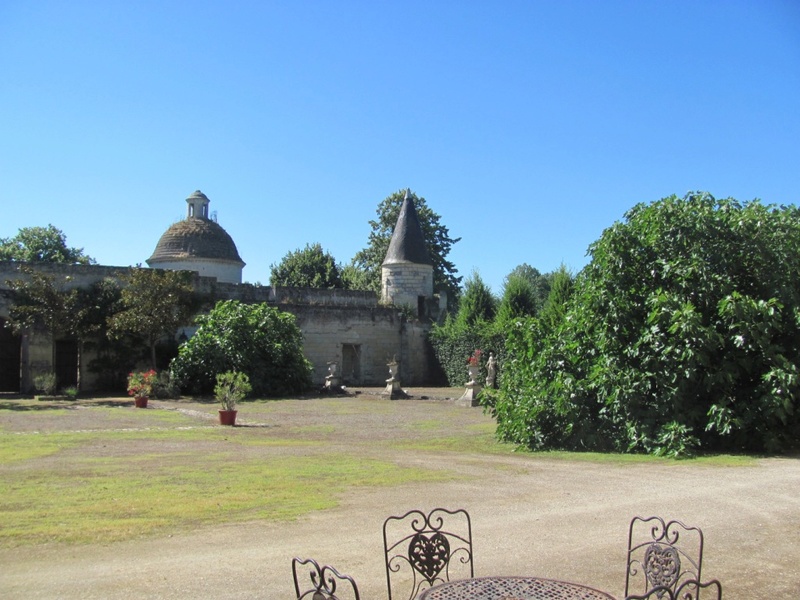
[528, 126]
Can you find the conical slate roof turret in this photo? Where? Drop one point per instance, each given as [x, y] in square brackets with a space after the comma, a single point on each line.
[408, 243]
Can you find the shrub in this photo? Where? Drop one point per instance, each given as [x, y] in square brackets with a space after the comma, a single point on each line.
[681, 334]
[45, 383]
[255, 339]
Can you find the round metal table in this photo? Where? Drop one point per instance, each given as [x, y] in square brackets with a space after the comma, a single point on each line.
[512, 588]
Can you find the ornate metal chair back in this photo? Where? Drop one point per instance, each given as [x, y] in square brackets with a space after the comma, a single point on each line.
[422, 550]
[324, 580]
[690, 590]
[655, 593]
[662, 555]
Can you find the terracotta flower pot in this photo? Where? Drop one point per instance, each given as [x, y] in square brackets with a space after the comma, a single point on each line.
[140, 402]
[227, 417]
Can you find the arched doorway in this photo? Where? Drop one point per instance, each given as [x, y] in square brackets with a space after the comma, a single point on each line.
[9, 359]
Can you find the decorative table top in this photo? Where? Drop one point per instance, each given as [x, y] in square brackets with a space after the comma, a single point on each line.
[512, 588]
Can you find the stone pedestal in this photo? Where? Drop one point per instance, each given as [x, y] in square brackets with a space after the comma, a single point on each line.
[393, 389]
[470, 396]
[333, 383]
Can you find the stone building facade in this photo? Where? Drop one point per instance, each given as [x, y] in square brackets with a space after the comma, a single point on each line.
[356, 329]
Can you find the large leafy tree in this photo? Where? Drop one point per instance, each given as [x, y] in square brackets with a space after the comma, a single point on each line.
[44, 301]
[53, 303]
[154, 305]
[41, 244]
[307, 267]
[683, 332]
[256, 339]
[365, 270]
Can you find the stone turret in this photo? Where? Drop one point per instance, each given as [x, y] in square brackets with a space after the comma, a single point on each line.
[198, 244]
[407, 270]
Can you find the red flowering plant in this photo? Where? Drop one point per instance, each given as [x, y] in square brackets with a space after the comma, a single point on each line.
[475, 359]
[140, 383]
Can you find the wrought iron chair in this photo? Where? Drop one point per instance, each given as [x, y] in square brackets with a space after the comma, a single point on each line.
[662, 555]
[688, 590]
[423, 550]
[324, 581]
[655, 593]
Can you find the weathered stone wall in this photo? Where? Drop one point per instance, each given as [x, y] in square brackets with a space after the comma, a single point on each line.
[403, 284]
[221, 270]
[377, 334]
[333, 322]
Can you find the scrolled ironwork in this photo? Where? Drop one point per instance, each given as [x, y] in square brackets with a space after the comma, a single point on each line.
[425, 547]
[324, 580]
[690, 590]
[662, 554]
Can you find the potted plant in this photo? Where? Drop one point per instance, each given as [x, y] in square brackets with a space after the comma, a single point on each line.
[474, 366]
[140, 386]
[232, 386]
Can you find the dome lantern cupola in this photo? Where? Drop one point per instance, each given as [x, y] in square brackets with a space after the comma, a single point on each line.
[197, 206]
[198, 244]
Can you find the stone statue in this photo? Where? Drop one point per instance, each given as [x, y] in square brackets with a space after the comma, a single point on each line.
[491, 371]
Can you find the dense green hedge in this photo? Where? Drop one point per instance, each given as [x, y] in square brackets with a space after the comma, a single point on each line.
[453, 344]
[682, 334]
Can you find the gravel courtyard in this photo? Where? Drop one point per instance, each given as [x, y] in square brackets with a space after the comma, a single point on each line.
[532, 515]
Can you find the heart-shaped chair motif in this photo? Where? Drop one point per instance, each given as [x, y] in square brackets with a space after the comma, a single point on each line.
[429, 555]
[662, 565]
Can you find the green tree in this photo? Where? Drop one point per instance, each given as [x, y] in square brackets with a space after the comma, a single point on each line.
[44, 301]
[256, 339]
[308, 267]
[154, 305]
[519, 299]
[41, 244]
[540, 283]
[477, 304]
[682, 333]
[365, 269]
[555, 306]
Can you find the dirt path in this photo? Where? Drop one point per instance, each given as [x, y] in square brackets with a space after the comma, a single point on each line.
[531, 515]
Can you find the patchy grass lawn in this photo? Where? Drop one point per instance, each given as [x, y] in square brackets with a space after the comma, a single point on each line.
[101, 471]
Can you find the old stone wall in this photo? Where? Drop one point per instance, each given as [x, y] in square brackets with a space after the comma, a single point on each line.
[405, 283]
[362, 341]
[348, 327]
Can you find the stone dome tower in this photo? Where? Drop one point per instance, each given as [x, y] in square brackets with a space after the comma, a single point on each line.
[199, 244]
[407, 270]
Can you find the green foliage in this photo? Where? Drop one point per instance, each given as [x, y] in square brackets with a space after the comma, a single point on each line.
[477, 304]
[365, 269]
[539, 283]
[555, 305]
[519, 299]
[154, 305]
[309, 267]
[453, 344]
[42, 300]
[682, 334]
[41, 244]
[232, 387]
[256, 339]
[45, 383]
